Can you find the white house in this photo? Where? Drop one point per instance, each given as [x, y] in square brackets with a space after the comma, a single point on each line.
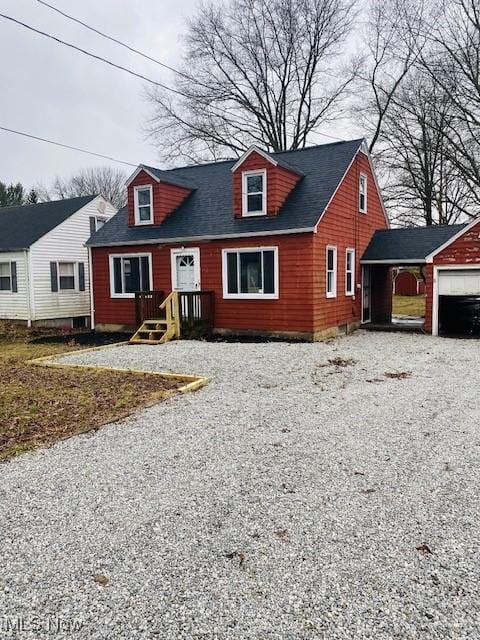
[44, 263]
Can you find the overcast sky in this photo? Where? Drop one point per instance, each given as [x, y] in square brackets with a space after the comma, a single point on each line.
[54, 92]
[51, 91]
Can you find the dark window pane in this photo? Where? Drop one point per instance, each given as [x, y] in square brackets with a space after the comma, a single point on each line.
[268, 272]
[330, 261]
[4, 283]
[117, 275]
[67, 282]
[131, 268]
[254, 184]
[250, 272]
[143, 197]
[232, 275]
[145, 274]
[330, 282]
[144, 213]
[255, 203]
[349, 281]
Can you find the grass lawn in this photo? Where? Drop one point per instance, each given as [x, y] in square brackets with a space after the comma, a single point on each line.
[40, 405]
[409, 305]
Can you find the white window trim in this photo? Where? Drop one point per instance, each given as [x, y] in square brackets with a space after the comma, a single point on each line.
[250, 296]
[365, 177]
[7, 291]
[194, 251]
[245, 212]
[76, 279]
[135, 202]
[112, 275]
[331, 294]
[351, 252]
[101, 219]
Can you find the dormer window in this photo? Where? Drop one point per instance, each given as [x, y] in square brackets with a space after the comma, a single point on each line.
[254, 192]
[143, 199]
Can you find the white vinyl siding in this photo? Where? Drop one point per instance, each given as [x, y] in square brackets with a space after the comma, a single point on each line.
[64, 244]
[14, 305]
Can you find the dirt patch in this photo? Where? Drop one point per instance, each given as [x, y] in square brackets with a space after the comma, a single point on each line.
[398, 375]
[39, 406]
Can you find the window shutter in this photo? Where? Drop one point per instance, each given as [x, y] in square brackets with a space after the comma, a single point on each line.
[53, 276]
[81, 276]
[93, 225]
[13, 268]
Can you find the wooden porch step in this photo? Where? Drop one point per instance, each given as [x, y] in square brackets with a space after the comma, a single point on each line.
[143, 341]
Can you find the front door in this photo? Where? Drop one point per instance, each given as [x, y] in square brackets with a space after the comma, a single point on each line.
[186, 269]
[366, 295]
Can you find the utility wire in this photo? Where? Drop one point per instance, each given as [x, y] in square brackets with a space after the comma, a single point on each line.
[151, 59]
[66, 146]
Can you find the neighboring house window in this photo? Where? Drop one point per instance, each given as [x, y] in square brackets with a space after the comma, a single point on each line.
[250, 273]
[362, 193]
[143, 202]
[129, 274]
[8, 277]
[67, 276]
[350, 272]
[331, 272]
[96, 223]
[254, 193]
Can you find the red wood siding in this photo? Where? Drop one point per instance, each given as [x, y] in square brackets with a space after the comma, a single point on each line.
[166, 197]
[280, 182]
[406, 284]
[345, 227]
[463, 251]
[293, 311]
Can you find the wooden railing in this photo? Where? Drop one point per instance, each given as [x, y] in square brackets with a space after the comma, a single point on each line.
[196, 311]
[147, 305]
[171, 307]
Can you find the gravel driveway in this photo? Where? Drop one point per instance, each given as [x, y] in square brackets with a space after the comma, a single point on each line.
[291, 498]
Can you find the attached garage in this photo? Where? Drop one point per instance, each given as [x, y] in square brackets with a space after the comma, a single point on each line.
[449, 258]
[457, 310]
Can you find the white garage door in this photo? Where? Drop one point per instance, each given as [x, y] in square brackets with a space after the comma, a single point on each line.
[464, 282]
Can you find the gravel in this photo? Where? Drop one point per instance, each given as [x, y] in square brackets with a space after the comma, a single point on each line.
[302, 494]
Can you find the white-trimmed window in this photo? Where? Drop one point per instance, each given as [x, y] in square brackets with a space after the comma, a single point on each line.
[8, 277]
[362, 193]
[96, 223]
[254, 193]
[143, 204]
[129, 274]
[331, 272]
[350, 272]
[67, 276]
[250, 273]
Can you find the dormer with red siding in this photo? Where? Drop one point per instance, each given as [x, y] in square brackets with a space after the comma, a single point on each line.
[153, 195]
[261, 184]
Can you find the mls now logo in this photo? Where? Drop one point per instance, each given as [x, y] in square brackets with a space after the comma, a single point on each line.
[50, 624]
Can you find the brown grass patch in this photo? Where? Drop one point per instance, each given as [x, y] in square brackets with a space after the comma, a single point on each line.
[40, 405]
[409, 306]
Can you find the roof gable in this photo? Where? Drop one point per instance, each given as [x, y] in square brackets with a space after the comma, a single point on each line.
[21, 226]
[465, 229]
[207, 212]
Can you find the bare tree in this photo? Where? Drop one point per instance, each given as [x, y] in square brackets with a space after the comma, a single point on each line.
[255, 71]
[105, 181]
[454, 64]
[425, 186]
[392, 39]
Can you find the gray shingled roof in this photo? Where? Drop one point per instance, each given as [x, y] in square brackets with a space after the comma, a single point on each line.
[20, 227]
[414, 243]
[208, 210]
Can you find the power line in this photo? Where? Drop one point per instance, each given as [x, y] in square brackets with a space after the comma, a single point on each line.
[66, 146]
[108, 37]
[151, 59]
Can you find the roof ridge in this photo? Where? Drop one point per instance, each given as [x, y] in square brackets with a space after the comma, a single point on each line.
[45, 202]
[271, 153]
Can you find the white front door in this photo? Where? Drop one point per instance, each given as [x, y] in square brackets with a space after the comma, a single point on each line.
[185, 269]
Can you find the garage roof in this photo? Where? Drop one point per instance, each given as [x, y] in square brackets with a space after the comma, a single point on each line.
[411, 245]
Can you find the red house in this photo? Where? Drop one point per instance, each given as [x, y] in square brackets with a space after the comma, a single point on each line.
[408, 283]
[275, 239]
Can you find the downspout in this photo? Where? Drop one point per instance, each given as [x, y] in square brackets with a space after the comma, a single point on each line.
[90, 286]
[30, 291]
